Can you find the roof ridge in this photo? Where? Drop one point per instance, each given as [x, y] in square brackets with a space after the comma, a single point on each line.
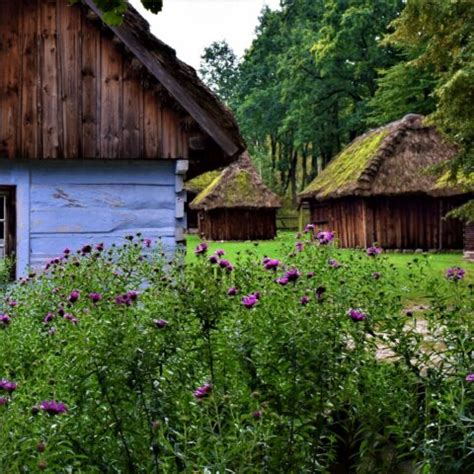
[387, 148]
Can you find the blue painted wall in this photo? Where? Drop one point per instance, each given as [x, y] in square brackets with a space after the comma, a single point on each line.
[68, 204]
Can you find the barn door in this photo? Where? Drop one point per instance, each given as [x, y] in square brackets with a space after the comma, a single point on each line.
[7, 221]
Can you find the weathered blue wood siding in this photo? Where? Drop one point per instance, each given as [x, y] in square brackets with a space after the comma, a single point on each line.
[68, 204]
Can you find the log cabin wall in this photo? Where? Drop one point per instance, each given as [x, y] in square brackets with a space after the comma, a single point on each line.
[238, 224]
[469, 241]
[69, 90]
[399, 222]
[345, 217]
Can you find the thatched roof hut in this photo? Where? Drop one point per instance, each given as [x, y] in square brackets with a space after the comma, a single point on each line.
[193, 187]
[237, 205]
[380, 189]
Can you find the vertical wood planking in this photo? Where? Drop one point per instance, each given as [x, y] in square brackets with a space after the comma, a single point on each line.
[111, 100]
[152, 125]
[69, 54]
[30, 143]
[49, 79]
[132, 132]
[91, 49]
[67, 91]
[10, 71]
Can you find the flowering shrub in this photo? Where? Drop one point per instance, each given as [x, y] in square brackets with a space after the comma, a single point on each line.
[118, 360]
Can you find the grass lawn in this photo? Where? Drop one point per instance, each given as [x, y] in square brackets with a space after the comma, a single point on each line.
[438, 262]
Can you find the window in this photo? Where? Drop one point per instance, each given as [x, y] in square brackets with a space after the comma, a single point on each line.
[7, 221]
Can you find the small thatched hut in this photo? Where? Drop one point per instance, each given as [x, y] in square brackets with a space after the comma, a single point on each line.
[378, 189]
[193, 187]
[237, 205]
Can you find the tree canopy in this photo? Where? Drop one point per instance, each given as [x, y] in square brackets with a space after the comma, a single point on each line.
[321, 72]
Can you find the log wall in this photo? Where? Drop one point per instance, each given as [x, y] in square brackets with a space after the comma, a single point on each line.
[61, 204]
[238, 224]
[68, 90]
[469, 241]
[394, 222]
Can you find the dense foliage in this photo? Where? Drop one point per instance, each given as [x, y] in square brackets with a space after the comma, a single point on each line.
[320, 73]
[121, 361]
[305, 85]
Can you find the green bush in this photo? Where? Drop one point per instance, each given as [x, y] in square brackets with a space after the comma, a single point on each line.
[311, 366]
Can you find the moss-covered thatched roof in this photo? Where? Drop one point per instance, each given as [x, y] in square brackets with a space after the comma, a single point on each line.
[391, 160]
[197, 184]
[238, 186]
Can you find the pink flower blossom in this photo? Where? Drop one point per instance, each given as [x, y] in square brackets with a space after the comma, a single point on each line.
[203, 391]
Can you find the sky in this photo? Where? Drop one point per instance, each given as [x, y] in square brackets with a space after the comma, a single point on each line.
[188, 26]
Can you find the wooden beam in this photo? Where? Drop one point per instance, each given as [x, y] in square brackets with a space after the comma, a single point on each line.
[172, 85]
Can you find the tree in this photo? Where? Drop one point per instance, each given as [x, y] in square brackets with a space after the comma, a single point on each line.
[306, 82]
[442, 33]
[219, 69]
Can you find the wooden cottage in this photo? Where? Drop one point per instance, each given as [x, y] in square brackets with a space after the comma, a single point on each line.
[98, 125]
[193, 187]
[237, 205]
[379, 189]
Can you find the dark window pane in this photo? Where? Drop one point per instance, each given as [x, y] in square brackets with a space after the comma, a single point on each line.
[2, 208]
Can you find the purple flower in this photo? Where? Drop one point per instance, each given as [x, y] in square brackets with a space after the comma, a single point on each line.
[376, 275]
[455, 273]
[203, 391]
[224, 263]
[213, 259]
[3, 401]
[299, 246]
[250, 301]
[256, 294]
[271, 263]
[5, 320]
[304, 300]
[220, 252]
[282, 280]
[201, 249]
[232, 291]
[470, 377]
[8, 386]
[74, 296]
[86, 249]
[99, 247]
[53, 408]
[95, 297]
[356, 315]
[374, 251]
[310, 275]
[48, 318]
[12, 303]
[325, 237]
[66, 251]
[257, 414]
[333, 263]
[309, 228]
[160, 323]
[292, 274]
[320, 293]
[127, 299]
[147, 243]
[71, 318]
